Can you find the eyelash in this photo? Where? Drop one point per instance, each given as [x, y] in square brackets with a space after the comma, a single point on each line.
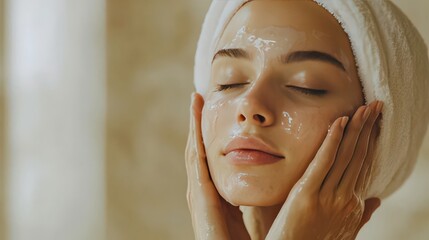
[306, 91]
[223, 87]
[309, 91]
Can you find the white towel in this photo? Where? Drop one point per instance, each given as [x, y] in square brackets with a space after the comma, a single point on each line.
[393, 66]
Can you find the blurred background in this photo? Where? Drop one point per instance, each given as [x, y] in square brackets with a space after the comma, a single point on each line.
[94, 109]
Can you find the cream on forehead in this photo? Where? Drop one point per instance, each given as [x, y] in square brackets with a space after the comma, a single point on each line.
[269, 42]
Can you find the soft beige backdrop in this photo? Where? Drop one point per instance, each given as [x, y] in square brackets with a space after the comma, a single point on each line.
[2, 129]
[150, 59]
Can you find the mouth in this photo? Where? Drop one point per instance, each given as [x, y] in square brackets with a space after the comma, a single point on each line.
[251, 151]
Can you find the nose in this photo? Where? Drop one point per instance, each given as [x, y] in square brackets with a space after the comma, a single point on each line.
[255, 109]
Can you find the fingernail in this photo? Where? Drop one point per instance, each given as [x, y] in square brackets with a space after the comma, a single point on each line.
[380, 105]
[344, 121]
[367, 113]
[191, 106]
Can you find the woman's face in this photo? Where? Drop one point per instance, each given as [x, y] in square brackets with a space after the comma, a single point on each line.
[283, 72]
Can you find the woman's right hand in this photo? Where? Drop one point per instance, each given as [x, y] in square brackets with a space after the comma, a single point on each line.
[212, 216]
[330, 200]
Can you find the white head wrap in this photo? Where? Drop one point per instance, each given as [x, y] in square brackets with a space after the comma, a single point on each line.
[393, 67]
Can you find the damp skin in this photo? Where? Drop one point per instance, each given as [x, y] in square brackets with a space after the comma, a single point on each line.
[267, 42]
[259, 84]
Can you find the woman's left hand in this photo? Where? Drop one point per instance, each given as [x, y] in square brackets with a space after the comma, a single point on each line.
[328, 200]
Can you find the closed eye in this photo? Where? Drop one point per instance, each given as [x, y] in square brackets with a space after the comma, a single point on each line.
[223, 87]
[308, 91]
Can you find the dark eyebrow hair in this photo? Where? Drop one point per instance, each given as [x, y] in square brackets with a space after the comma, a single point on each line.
[232, 52]
[299, 56]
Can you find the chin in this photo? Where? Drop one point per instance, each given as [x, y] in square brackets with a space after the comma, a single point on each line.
[256, 196]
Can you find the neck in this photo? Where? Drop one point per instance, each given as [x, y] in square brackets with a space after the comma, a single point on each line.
[258, 220]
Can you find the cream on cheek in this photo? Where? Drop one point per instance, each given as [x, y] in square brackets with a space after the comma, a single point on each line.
[290, 125]
[219, 121]
[210, 116]
[305, 124]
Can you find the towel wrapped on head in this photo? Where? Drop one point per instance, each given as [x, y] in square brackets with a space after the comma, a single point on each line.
[393, 66]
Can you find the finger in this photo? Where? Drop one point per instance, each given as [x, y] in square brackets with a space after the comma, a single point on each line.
[190, 153]
[324, 158]
[198, 138]
[204, 202]
[362, 180]
[351, 174]
[195, 153]
[346, 149]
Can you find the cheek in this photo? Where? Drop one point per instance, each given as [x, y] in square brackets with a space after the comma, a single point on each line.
[312, 134]
[304, 125]
[212, 120]
[207, 129]
[305, 131]
[314, 128]
[298, 125]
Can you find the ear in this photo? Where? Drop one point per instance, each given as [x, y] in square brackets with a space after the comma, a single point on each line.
[371, 205]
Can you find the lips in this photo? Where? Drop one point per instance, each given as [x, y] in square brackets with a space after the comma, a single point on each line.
[251, 151]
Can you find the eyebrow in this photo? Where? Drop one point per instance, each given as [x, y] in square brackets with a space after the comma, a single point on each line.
[300, 56]
[232, 52]
[297, 56]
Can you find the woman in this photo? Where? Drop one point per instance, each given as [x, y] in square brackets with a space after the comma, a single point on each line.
[286, 122]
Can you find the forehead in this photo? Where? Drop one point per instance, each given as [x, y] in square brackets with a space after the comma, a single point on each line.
[322, 30]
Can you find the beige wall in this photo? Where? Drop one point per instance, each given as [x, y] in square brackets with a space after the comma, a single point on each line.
[2, 129]
[150, 59]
